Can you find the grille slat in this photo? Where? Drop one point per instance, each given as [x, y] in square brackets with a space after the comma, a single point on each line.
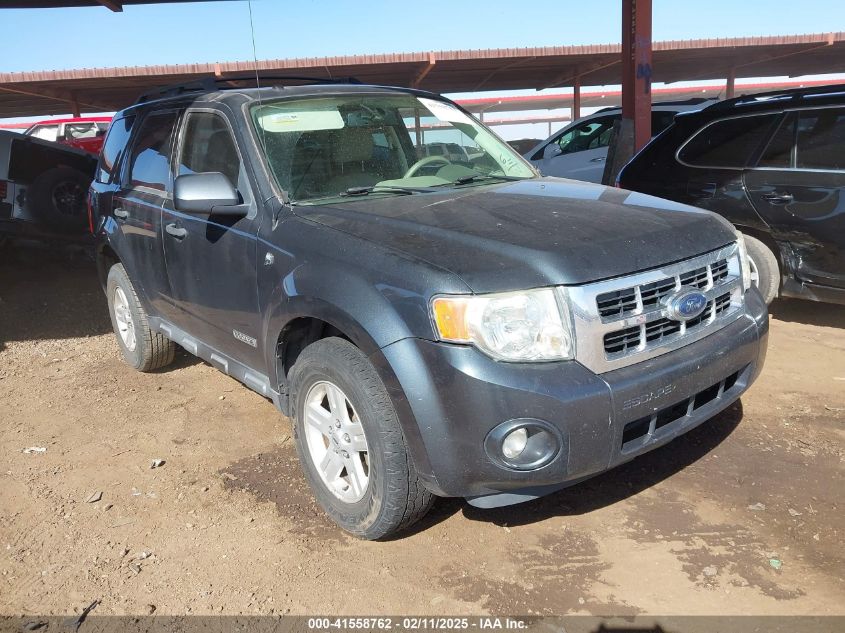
[622, 340]
[636, 434]
[617, 303]
[697, 278]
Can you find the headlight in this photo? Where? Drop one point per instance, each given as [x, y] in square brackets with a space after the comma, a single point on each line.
[745, 267]
[513, 326]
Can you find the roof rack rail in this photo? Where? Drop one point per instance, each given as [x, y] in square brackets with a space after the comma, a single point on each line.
[794, 94]
[210, 84]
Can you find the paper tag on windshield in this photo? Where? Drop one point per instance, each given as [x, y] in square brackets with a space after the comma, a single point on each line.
[444, 111]
[305, 121]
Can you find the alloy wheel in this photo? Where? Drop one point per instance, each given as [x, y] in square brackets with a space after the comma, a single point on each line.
[336, 442]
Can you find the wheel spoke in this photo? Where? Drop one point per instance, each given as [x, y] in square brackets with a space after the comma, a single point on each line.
[318, 417]
[331, 466]
[355, 474]
[337, 403]
[358, 439]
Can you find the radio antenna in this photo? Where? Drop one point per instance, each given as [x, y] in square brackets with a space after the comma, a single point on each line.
[255, 66]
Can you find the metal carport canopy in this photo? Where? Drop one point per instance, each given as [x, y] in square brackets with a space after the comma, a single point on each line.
[105, 89]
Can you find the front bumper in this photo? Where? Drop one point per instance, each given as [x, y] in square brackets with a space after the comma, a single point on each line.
[456, 395]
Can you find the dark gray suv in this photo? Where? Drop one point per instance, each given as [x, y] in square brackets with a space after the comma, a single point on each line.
[435, 326]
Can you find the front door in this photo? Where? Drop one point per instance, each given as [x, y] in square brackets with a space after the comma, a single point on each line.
[211, 260]
[580, 152]
[798, 188]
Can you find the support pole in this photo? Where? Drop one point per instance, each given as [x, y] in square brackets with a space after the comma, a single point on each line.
[730, 82]
[576, 98]
[636, 68]
[74, 107]
[633, 131]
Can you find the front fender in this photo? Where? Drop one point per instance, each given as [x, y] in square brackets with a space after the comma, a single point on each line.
[371, 317]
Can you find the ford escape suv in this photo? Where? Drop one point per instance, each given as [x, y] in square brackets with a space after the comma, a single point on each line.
[433, 325]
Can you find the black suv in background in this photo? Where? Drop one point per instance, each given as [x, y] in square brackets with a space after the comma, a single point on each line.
[774, 165]
[434, 325]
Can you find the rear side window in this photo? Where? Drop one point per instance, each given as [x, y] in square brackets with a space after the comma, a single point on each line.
[149, 162]
[208, 146]
[46, 132]
[727, 143]
[821, 139]
[116, 140]
[778, 153]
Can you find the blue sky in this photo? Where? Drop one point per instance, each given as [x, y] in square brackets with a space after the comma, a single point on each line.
[50, 39]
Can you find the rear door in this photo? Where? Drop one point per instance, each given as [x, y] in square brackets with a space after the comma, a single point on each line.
[798, 188]
[144, 189]
[211, 259]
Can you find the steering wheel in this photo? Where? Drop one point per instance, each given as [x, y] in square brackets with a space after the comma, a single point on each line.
[422, 162]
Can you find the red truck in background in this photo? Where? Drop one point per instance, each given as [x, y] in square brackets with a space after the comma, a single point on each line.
[85, 133]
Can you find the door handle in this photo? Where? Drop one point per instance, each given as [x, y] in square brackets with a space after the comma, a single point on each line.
[778, 198]
[598, 159]
[121, 213]
[176, 231]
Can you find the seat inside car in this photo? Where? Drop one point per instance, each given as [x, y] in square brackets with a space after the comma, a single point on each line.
[352, 153]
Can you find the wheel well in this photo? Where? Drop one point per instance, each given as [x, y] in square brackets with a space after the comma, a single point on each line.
[767, 239]
[295, 337]
[106, 258]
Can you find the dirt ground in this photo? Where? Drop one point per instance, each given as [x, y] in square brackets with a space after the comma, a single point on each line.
[742, 516]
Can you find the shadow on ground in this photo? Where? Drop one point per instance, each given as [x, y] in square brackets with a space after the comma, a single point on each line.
[275, 476]
[808, 312]
[49, 292]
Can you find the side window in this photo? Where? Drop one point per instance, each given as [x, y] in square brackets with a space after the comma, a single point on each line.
[727, 143]
[208, 146]
[80, 130]
[588, 135]
[820, 139]
[46, 132]
[149, 161]
[116, 140]
[778, 152]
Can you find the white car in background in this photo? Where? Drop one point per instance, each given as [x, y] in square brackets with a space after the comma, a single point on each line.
[579, 150]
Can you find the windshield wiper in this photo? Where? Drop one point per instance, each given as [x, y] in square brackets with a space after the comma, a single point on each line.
[363, 191]
[465, 180]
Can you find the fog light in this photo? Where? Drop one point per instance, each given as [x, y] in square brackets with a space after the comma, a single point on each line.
[514, 443]
[525, 444]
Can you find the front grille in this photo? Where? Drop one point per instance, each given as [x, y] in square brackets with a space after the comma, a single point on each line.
[637, 434]
[625, 320]
[621, 303]
[620, 341]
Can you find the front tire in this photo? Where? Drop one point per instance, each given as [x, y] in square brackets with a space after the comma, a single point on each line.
[765, 272]
[142, 348]
[350, 444]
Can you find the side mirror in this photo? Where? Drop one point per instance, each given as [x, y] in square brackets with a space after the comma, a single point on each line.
[551, 150]
[209, 192]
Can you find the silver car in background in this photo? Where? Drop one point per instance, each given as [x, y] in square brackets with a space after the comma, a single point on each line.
[579, 150]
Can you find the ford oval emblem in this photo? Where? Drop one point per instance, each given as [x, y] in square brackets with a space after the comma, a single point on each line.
[686, 304]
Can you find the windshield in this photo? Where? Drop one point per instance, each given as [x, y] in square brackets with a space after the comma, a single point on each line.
[321, 148]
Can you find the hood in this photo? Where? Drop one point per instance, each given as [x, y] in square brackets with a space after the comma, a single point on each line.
[530, 233]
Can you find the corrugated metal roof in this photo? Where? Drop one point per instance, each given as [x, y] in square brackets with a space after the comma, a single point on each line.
[100, 89]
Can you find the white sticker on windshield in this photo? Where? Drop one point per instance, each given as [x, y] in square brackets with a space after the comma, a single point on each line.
[306, 121]
[444, 111]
